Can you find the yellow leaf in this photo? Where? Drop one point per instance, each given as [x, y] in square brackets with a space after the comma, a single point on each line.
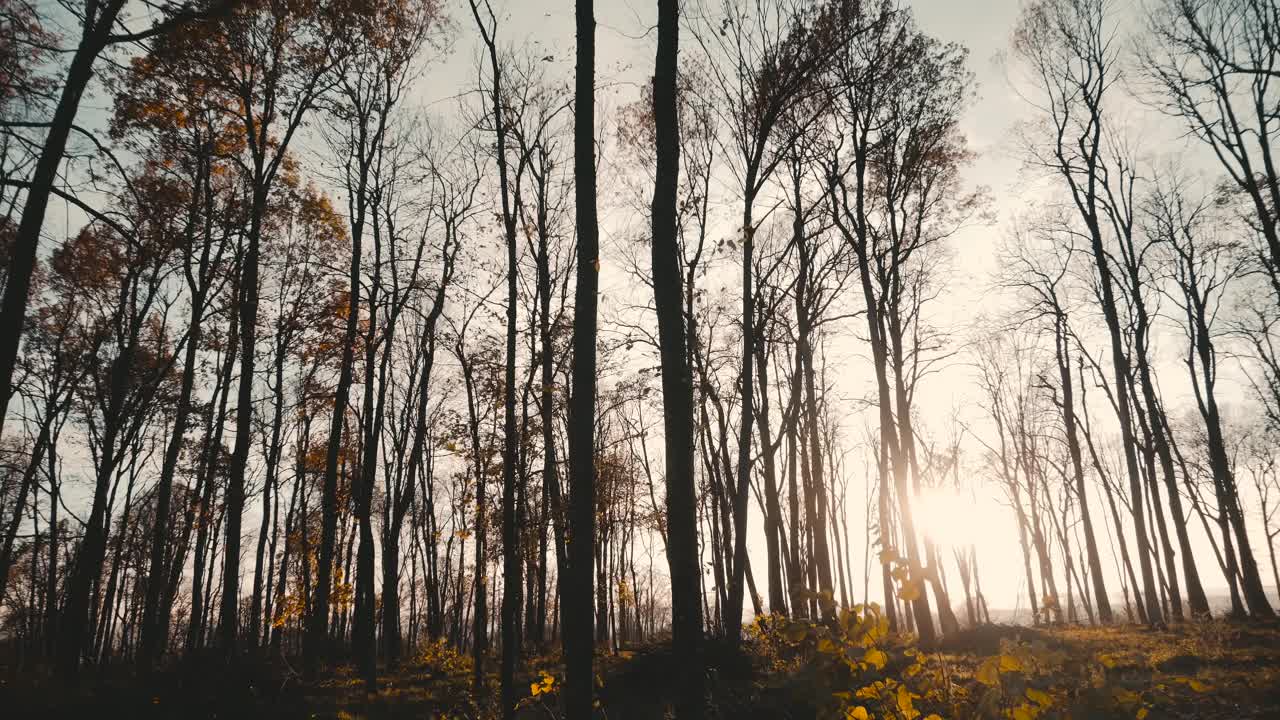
[1127, 697]
[826, 647]
[909, 592]
[875, 657]
[1009, 663]
[1039, 697]
[1025, 712]
[858, 713]
[1142, 714]
[988, 672]
[1198, 686]
[904, 700]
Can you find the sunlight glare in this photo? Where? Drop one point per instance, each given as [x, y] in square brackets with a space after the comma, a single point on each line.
[956, 519]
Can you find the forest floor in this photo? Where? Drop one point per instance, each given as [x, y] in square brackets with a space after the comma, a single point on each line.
[1209, 670]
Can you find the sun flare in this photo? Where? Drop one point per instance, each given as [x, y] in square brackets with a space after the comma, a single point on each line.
[953, 519]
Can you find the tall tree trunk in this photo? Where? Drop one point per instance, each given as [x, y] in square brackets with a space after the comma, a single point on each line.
[578, 647]
[317, 634]
[1120, 366]
[19, 505]
[419, 467]
[907, 448]
[51, 581]
[229, 616]
[78, 620]
[1077, 470]
[677, 380]
[773, 510]
[1204, 384]
[809, 404]
[205, 488]
[795, 575]
[552, 503]
[269, 484]
[740, 486]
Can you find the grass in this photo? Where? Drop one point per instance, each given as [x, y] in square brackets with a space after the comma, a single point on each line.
[1215, 669]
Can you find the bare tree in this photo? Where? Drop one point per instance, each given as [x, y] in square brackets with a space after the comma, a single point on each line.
[677, 378]
[1212, 64]
[1203, 267]
[1069, 49]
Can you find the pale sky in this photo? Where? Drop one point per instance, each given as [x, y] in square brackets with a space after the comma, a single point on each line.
[625, 54]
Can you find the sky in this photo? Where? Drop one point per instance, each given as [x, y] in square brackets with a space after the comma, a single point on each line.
[626, 41]
[625, 54]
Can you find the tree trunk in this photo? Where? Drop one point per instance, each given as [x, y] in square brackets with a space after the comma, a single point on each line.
[268, 487]
[317, 635]
[773, 510]
[578, 589]
[1120, 366]
[1204, 384]
[1077, 471]
[229, 617]
[677, 381]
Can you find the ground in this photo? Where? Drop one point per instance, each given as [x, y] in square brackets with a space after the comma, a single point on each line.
[786, 670]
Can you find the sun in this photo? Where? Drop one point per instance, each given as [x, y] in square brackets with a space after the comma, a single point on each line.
[955, 518]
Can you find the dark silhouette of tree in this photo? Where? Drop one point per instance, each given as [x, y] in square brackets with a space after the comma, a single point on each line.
[677, 378]
[578, 590]
[102, 25]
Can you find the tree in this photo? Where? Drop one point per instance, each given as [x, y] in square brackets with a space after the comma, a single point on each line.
[892, 181]
[501, 118]
[1212, 65]
[123, 271]
[578, 647]
[677, 380]
[772, 55]
[1203, 266]
[1069, 49]
[164, 113]
[1040, 273]
[102, 25]
[457, 197]
[370, 82]
[268, 63]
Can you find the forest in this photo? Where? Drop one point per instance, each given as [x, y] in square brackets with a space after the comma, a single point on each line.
[693, 359]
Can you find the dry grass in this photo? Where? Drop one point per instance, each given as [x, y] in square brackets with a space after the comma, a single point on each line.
[1235, 669]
